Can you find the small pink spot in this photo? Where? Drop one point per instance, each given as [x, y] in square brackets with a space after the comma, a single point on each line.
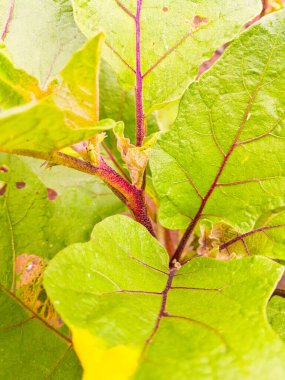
[3, 169]
[165, 9]
[20, 185]
[3, 189]
[52, 194]
[198, 20]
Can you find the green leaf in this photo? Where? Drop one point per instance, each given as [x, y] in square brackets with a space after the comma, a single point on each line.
[79, 91]
[176, 37]
[33, 224]
[40, 35]
[30, 349]
[132, 316]
[267, 235]
[223, 158]
[276, 315]
[66, 116]
[16, 86]
[82, 201]
[35, 227]
[115, 102]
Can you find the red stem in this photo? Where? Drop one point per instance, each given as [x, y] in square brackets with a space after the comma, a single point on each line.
[115, 161]
[9, 19]
[128, 193]
[194, 221]
[140, 120]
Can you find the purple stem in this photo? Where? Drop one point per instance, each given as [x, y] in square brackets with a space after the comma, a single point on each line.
[140, 127]
[128, 193]
[10, 15]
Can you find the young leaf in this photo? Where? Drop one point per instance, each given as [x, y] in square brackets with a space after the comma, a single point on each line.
[132, 316]
[224, 156]
[40, 35]
[136, 158]
[66, 116]
[164, 43]
[27, 338]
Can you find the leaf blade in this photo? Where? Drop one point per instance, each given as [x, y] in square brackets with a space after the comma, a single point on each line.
[195, 30]
[150, 314]
[233, 131]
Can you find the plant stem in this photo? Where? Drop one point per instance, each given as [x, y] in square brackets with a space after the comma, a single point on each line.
[128, 193]
[140, 119]
[115, 161]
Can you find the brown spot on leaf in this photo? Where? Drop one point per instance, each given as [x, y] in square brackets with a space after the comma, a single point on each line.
[52, 194]
[212, 238]
[4, 169]
[3, 188]
[29, 288]
[165, 9]
[20, 185]
[198, 20]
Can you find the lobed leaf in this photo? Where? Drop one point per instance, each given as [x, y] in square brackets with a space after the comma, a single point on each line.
[175, 38]
[223, 158]
[132, 318]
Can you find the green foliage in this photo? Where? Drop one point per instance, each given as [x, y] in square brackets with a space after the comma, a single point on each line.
[175, 35]
[111, 280]
[25, 338]
[16, 86]
[139, 298]
[67, 114]
[226, 148]
[40, 35]
[26, 211]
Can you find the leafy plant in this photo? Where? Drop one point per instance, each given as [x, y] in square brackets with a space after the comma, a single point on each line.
[178, 286]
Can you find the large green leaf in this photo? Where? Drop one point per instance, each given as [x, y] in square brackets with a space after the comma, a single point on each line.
[40, 35]
[224, 157]
[132, 318]
[67, 115]
[176, 37]
[31, 349]
[33, 224]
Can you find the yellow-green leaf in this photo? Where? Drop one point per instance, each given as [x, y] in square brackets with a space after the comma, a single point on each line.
[133, 318]
[224, 157]
[171, 39]
[63, 117]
